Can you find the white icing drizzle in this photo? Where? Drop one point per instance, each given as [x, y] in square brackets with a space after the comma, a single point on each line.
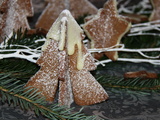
[66, 28]
[74, 38]
[63, 33]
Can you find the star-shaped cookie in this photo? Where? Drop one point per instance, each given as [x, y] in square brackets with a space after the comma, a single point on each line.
[156, 10]
[106, 29]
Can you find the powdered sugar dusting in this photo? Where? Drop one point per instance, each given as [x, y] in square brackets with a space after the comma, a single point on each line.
[46, 79]
[65, 86]
[60, 66]
[106, 29]
[86, 89]
[66, 28]
[14, 16]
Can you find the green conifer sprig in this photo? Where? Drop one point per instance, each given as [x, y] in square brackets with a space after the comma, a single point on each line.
[130, 83]
[13, 91]
[14, 73]
[23, 38]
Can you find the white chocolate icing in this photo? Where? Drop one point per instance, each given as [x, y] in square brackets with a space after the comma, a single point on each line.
[66, 29]
[63, 33]
[47, 42]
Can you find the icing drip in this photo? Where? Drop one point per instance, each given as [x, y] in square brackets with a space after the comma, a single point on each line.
[66, 28]
[63, 33]
[74, 38]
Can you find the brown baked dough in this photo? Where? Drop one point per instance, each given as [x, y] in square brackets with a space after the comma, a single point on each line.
[106, 29]
[13, 16]
[60, 67]
[141, 74]
[155, 15]
[46, 79]
[77, 8]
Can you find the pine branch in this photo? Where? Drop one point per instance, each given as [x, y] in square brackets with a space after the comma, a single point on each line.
[28, 100]
[13, 92]
[130, 83]
[14, 73]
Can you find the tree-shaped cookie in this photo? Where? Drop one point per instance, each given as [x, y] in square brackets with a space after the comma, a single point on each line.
[13, 16]
[106, 29]
[66, 62]
[78, 8]
[156, 10]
